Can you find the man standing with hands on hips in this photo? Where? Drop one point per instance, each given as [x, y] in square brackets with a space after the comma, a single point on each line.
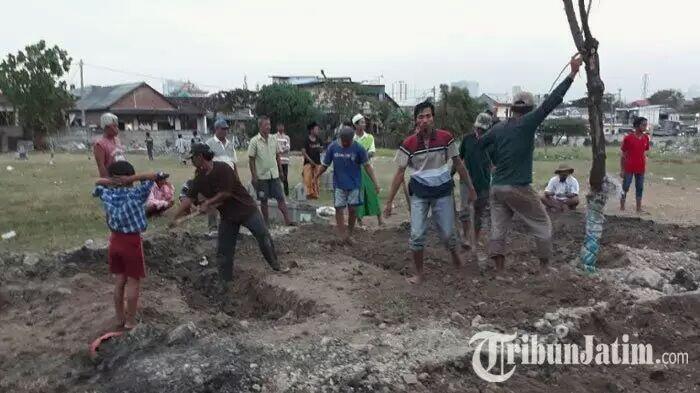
[264, 162]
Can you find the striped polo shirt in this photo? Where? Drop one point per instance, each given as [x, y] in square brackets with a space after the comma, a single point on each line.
[429, 161]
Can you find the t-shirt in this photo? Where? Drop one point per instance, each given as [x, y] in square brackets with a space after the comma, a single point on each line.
[477, 162]
[510, 143]
[366, 141]
[181, 145]
[149, 142]
[223, 151]
[283, 147]
[635, 148]
[561, 188]
[429, 160]
[264, 152]
[347, 163]
[111, 149]
[313, 150]
[222, 178]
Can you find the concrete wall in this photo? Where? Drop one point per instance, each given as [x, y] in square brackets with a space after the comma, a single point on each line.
[8, 137]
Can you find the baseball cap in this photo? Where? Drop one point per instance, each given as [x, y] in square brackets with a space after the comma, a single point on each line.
[200, 148]
[523, 99]
[346, 133]
[357, 118]
[221, 123]
[483, 121]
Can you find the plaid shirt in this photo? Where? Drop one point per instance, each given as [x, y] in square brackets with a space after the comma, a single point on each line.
[125, 206]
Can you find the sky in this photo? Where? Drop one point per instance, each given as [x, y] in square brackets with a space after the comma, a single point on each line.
[500, 43]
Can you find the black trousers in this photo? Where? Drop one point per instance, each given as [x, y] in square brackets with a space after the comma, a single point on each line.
[285, 182]
[228, 236]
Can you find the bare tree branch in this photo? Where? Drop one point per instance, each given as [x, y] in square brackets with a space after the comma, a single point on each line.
[588, 11]
[584, 19]
[573, 25]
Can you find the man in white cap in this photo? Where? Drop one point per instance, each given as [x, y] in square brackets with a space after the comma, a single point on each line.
[510, 145]
[368, 193]
[561, 193]
[225, 152]
[478, 164]
[108, 149]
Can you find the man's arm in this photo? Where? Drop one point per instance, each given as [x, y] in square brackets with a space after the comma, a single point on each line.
[320, 171]
[306, 156]
[98, 152]
[395, 184]
[251, 165]
[549, 190]
[464, 176]
[181, 211]
[557, 96]
[370, 172]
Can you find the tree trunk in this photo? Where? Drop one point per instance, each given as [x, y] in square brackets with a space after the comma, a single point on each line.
[597, 197]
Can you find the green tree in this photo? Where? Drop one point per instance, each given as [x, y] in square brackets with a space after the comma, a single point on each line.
[563, 127]
[456, 110]
[288, 104]
[398, 122]
[339, 101]
[227, 101]
[669, 97]
[31, 81]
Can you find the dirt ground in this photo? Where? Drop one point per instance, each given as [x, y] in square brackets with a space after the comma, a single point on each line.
[344, 319]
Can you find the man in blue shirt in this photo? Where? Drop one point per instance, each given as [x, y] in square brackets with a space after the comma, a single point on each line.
[347, 157]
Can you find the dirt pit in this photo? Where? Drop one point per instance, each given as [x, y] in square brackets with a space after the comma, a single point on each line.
[344, 319]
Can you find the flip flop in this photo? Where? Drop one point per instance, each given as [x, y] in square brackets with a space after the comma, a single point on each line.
[95, 345]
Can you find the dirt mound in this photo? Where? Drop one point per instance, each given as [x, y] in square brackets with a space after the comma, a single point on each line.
[344, 319]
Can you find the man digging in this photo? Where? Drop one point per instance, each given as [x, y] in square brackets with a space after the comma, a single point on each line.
[219, 184]
[430, 155]
[510, 145]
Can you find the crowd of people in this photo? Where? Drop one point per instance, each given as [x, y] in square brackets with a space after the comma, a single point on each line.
[493, 162]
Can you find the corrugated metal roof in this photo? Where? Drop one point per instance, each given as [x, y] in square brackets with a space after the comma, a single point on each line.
[102, 97]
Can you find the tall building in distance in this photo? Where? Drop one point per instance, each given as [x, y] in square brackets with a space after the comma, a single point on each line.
[471, 86]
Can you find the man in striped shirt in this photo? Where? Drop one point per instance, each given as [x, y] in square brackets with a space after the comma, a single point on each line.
[430, 155]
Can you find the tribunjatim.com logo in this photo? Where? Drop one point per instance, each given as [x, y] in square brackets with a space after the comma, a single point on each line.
[496, 354]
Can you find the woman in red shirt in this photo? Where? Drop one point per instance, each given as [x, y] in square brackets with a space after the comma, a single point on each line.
[633, 161]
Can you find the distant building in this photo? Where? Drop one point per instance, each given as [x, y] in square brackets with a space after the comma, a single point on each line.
[471, 86]
[182, 89]
[499, 104]
[366, 94]
[10, 130]
[138, 106]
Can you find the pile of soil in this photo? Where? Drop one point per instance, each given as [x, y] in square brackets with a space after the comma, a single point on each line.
[344, 319]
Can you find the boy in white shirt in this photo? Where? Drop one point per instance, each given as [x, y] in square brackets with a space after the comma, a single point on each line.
[561, 193]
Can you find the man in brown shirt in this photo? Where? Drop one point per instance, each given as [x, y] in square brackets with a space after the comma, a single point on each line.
[222, 190]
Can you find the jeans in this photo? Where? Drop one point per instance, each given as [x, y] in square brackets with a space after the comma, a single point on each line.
[228, 236]
[150, 153]
[443, 215]
[213, 220]
[638, 184]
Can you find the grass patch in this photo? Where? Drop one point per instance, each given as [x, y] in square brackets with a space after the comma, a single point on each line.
[51, 207]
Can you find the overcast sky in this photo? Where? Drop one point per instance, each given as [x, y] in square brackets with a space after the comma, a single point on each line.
[497, 43]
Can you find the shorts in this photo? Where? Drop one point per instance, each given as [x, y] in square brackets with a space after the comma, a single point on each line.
[482, 208]
[125, 255]
[343, 198]
[269, 189]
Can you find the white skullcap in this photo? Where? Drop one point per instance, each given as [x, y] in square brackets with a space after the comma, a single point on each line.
[357, 118]
[108, 119]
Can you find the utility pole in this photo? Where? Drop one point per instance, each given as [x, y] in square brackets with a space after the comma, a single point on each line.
[82, 93]
[645, 85]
